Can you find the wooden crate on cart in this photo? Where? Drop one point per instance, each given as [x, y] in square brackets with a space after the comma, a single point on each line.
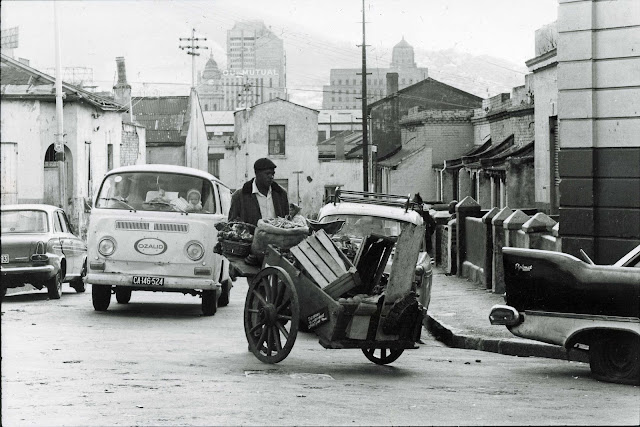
[326, 264]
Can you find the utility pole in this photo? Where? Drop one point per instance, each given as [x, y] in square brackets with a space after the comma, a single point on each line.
[365, 142]
[59, 141]
[192, 50]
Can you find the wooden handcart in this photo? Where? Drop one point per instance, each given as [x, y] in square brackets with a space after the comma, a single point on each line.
[312, 286]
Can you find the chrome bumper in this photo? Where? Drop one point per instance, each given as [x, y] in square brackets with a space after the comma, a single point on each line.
[45, 269]
[126, 280]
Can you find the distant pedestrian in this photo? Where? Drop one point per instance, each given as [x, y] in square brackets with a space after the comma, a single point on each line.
[429, 222]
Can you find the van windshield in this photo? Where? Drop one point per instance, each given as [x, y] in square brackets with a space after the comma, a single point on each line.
[157, 191]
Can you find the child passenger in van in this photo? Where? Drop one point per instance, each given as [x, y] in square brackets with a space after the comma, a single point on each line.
[193, 198]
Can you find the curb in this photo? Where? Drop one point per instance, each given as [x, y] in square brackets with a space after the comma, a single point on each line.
[456, 338]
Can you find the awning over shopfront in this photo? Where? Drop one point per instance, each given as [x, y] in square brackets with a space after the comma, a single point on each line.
[400, 156]
[457, 163]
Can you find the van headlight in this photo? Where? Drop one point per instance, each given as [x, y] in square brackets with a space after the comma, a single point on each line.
[194, 250]
[107, 246]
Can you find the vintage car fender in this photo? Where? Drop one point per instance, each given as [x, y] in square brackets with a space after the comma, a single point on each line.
[569, 329]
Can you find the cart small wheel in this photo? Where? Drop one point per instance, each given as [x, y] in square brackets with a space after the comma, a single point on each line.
[271, 313]
[382, 356]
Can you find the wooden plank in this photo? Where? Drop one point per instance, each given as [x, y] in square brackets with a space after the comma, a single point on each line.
[404, 262]
[341, 285]
[333, 265]
[308, 266]
[332, 249]
[317, 261]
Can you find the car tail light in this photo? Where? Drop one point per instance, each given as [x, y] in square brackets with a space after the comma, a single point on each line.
[40, 253]
[194, 250]
[107, 246]
[504, 315]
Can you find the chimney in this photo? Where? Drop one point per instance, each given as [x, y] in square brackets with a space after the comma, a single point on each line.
[122, 90]
[392, 83]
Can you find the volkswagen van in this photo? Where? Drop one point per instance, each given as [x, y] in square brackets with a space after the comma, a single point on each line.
[153, 229]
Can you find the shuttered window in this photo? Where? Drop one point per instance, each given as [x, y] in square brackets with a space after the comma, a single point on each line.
[276, 139]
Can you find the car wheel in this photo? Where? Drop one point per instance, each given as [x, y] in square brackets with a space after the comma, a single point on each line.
[615, 357]
[209, 303]
[101, 297]
[123, 295]
[223, 300]
[78, 284]
[54, 286]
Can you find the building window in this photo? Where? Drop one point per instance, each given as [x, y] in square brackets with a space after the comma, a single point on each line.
[339, 82]
[333, 99]
[213, 166]
[206, 107]
[276, 139]
[354, 81]
[322, 135]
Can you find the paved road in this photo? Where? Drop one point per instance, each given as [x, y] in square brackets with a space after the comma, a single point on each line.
[157, 361]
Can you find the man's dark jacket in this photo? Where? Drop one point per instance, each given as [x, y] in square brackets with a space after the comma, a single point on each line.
[245, 207]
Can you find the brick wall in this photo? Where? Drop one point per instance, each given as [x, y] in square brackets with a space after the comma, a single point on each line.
[130, 146]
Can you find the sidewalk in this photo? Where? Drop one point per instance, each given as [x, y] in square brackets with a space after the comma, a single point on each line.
[458, 316]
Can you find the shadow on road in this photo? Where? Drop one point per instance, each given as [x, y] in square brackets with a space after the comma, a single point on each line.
[154, 310]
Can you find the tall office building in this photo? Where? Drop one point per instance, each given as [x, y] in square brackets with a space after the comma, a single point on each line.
[255, 70]
[345, 85]
[255, 52]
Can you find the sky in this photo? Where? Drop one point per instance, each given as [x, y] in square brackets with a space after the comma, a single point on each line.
[318, 35]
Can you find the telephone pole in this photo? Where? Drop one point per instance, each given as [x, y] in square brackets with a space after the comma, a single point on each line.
[192, 50]
[59, 141]
[365, 142]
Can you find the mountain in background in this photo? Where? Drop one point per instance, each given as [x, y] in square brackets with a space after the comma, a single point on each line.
[480, 75]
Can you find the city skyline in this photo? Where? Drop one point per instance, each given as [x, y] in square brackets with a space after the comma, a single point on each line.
[316, 38]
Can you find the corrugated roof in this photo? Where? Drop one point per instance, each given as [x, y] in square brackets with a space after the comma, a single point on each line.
[513, 151]
[352, 142]
[23, 81]
[473, 160]
[163, 116]
[399, 157]
[159, 105]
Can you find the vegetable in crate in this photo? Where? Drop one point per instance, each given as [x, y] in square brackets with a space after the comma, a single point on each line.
[238, 232]
[278, 232]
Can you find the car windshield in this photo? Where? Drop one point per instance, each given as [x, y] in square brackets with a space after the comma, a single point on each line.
[362, 225]
[157, 191]
[26, 221]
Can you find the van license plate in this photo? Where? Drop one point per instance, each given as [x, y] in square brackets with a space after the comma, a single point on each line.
[144, 280]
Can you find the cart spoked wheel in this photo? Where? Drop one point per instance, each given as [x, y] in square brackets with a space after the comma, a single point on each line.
[382, 356]
[271, 315]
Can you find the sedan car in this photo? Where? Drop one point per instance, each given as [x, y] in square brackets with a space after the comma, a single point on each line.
[361, 214]
[40, 248]
[556, 298]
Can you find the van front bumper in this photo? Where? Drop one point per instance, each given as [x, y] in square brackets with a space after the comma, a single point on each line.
[172, 283]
